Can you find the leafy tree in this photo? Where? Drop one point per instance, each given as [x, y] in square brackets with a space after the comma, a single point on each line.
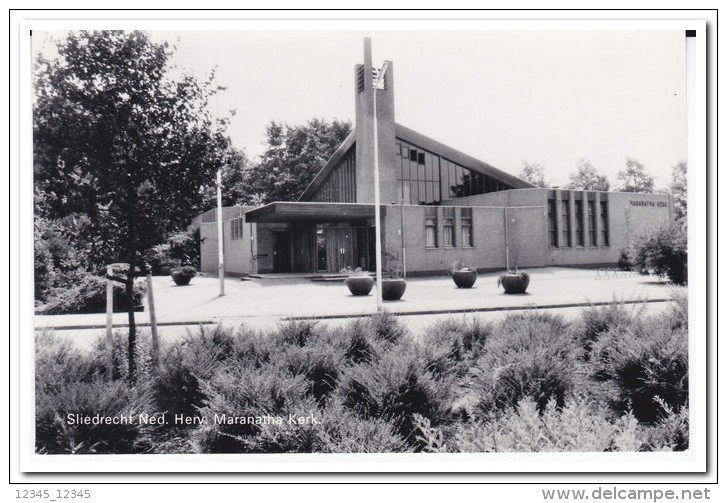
[678, 189]
[236, 186]
[294, 155]
[587, 178]
[534, 173]
[634, 178]
[120, 141]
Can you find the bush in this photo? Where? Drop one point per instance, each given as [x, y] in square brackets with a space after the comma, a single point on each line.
[89, 296]
[387, 327]
[644, 363]
[597, 320]
[662, 251]
[180, 248]
[394, 388]
[120, 340]
[56, 435]
[671, 432]
[345, 432]
[58, 362]
[578, 426]
[529, 355]
[245, 392]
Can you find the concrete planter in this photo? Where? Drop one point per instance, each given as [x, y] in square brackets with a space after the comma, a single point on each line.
[183, 276]
[514, 283]
[393, 289]
[464, 278]
[360, 285]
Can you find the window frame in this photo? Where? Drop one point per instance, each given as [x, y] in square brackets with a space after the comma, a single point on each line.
[431, 223]
[465, 222]
[565, 215]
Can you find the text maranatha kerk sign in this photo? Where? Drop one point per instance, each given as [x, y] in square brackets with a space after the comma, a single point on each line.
[661, 204]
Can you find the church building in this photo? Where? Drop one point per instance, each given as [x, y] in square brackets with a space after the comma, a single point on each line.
[438, 206]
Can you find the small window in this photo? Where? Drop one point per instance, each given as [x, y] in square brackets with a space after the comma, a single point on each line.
[413, 155]
[236, 229]
[604, 223]
[552, 223]
[579, 223]
[592, 223]
[466, 221]
[565, 225]
[420, 158]
[430, 227]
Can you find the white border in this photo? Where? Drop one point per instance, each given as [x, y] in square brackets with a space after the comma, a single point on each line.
[692, 460]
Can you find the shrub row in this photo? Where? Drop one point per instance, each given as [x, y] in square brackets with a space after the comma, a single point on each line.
[88, 295]
[613, 379]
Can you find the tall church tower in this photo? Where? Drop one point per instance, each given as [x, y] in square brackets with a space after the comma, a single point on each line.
[365, 76]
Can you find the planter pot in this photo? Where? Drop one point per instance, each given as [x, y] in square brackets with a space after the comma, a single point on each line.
[181, 278]
[360, 285]
[514, 283]
[165, 270]
[393, 289]
[465, 278]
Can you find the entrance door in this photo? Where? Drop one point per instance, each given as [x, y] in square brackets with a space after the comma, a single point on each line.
[321, 251]
[281, 251]
[341, 248]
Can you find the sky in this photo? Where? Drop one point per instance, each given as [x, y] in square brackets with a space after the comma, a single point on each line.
[547, 97]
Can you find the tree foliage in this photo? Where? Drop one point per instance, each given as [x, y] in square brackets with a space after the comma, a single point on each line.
[634, 178]
[662, 251]
[236, 187]
[587, 178]
[120, 142]
[294, 155]
[678, 188]
[534, 173]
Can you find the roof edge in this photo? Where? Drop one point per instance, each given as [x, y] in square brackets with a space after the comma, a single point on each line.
[339, 153]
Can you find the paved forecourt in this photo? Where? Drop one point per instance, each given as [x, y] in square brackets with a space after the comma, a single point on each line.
[301, 298]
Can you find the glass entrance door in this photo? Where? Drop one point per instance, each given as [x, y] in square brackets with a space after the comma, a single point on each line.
[336, 248]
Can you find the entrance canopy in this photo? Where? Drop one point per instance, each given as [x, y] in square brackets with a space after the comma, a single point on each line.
[311, 212]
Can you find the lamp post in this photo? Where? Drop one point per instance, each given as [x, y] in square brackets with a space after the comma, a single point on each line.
[220, 237]
[377, 210]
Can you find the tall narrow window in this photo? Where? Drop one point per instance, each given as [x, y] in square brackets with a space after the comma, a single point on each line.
[552, 223]
[604, 223]
[565, 222]
[579, 223]
[448, 215]
[430, 226]
[591, 223]
[466, 220]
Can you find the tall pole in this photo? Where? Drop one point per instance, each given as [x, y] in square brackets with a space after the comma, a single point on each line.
[507, 244]
[220, 237]
[377, 197]
[403, 243]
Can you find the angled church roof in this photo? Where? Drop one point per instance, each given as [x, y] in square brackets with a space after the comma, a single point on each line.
[348, 174]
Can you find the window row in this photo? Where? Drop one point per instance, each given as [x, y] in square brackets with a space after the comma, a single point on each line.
[451, 236]
[427, 178]
[559, 222]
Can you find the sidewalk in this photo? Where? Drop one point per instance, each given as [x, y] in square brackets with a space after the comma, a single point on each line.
[300, 298]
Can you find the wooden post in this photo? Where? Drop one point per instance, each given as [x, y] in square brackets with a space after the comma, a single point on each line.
[109, 324]
[153, 321]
